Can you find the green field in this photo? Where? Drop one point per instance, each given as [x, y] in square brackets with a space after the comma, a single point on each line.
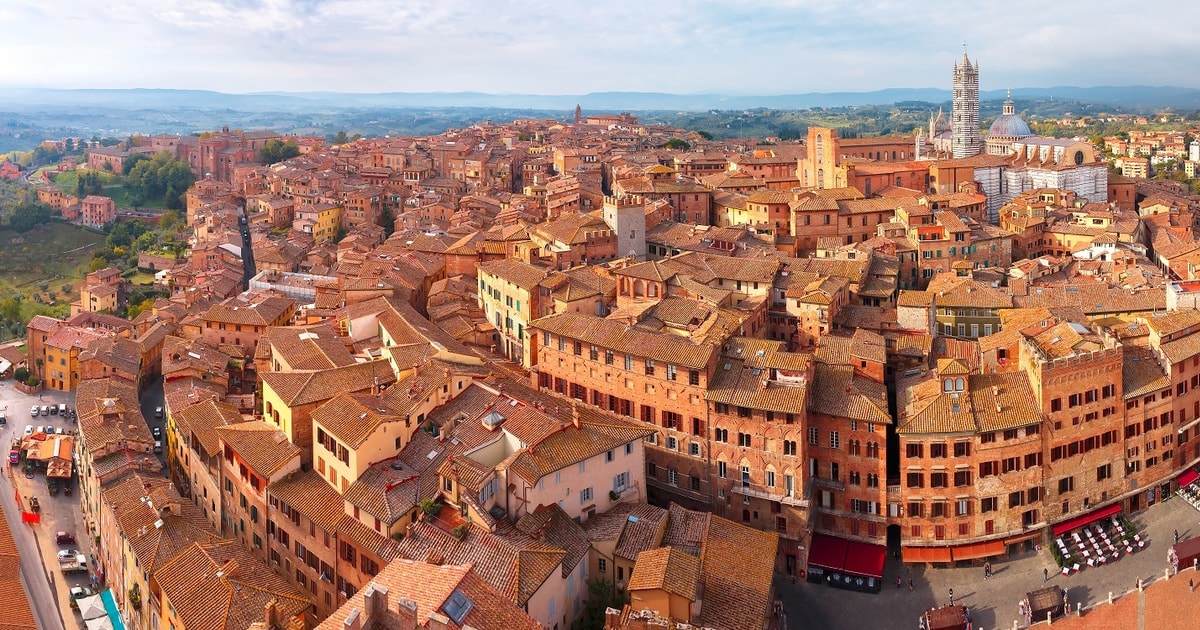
[66, 180]
[52, 255]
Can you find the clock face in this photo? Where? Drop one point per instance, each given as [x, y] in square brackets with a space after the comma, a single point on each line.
[1079, 157]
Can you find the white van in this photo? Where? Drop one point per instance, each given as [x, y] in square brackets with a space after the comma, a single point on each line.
[62, 409]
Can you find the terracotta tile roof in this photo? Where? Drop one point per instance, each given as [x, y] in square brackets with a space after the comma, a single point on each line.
[667, 569]
[570, 445]
[644, 528]
[305, 347]
[517, 272]
[389, 493]
[368, 539]
[202, 419]
[18, 612]
[182, 523]
[991, 402]
[742, 598]
[432, 589]
[605, 333]
[260, 444]
[260, 312]
[1141, 375]
[300, 388]
[508, 559]
[221, 586]
[840, 393]
[686, 529]
[550, 523]
[307, 492]
[750, 383]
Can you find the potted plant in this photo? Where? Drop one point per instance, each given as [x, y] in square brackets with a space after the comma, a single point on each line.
[460, 532]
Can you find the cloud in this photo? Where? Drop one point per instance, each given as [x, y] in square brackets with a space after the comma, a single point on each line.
[539, 46]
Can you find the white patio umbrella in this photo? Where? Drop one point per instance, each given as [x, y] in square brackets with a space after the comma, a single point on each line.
[91, 607]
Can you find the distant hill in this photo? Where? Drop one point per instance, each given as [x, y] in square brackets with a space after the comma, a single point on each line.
[1123, 97]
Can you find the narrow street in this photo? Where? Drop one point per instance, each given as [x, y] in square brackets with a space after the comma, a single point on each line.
[49, 590]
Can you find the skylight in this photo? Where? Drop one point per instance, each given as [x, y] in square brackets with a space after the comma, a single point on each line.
[457, 606]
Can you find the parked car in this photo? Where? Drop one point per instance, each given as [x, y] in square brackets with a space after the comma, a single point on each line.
[157, 431]
[79, 592]
[33, 412]
[62, 409]
[3, 419]
[157, 446]
[158, 412]
[45, 410]
[40, 429]
[67, 553]
[29, 429]
[53, 410]
[58, 430]
[65, 538]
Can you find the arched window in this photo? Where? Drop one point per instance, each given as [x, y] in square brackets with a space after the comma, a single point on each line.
[948, 385]
[959, 385]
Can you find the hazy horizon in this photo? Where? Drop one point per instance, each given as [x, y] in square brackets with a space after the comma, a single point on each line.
[759, 47]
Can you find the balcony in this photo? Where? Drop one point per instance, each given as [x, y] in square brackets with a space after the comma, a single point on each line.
[780, 497]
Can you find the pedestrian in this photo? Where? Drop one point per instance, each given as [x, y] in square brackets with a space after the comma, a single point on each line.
[1177, 537]
[897, 581]
[1191, 586]
[987, 570]
[910, 586]
[1045, 575]
[951, 596]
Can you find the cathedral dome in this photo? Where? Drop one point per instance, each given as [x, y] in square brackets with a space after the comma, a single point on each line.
[1009, 126]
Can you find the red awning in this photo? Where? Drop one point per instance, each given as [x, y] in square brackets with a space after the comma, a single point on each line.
[925, 554]
[865, 559]
[979, 550]
[1080, 521]
[827, 552]
[1188, 477]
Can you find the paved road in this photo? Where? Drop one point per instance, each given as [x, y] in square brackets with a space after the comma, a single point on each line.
[33, 575]
[48, 589]
[993, 602]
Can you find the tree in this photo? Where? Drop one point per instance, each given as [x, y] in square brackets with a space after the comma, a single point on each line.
[276, 150]
[676, 143]
[133, 161]
[602, 595]
[704, 134]
[168, 221]
[88, 183]
[388, 219]
[21, 374]
[339, 138]
[161, 177]
[28, 215]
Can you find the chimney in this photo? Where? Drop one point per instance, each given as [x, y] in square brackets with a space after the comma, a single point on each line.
[271, 613]
[438, 621]
[612, 618]
[375, 602]
[575, 415]
[435, 558]
[353, 621]
[407, 612]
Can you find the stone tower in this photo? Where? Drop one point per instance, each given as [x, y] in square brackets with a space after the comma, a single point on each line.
[964, 121]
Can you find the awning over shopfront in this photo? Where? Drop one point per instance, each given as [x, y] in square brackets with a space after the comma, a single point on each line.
[1188, 477]
[865, 559]
[979, 550]
[847, 556]
[827, 552]
[913, 555]
[1080, 521]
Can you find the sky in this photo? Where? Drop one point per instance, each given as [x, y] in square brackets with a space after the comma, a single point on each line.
[737, 47]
